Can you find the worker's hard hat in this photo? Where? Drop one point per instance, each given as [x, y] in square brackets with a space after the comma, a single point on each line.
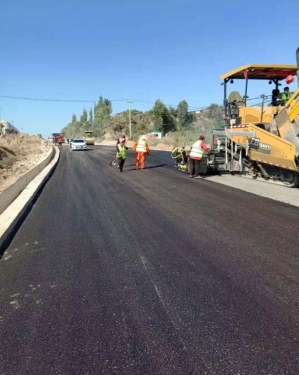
[201, 136]
[122, 140]
[143, 137]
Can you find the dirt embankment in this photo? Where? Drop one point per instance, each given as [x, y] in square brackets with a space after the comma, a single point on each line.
[19, 153]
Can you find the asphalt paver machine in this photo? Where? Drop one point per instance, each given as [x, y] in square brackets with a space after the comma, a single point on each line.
[260, 141]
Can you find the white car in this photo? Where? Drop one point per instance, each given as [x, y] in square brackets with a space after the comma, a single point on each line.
[78, 144]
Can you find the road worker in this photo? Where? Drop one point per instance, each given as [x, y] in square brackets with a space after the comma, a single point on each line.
[142, 149]
[118, 141]
[285, 96]
[197, 150]
[114, 162]
[121, 153]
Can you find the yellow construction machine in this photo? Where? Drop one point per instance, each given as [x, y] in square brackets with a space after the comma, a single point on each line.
[181, 156]
[88, 138]
[261, 141]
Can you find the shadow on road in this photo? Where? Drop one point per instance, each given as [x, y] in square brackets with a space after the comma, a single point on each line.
[153, 166]
[88, 149]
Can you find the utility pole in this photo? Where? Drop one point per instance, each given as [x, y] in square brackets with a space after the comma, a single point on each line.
[130, 122]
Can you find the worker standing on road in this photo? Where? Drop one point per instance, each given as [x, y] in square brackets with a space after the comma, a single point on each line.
[118, 141]
[197, 150]
[142, 149]
[121, 153]
[114, 162]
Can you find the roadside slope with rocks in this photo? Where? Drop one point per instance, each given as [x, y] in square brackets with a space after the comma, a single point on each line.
[19, 153]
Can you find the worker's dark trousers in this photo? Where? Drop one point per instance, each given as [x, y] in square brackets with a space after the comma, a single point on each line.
[194, 167]
[121, 163]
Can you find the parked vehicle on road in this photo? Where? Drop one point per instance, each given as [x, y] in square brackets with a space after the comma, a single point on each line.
[78, 144]
[58, 138]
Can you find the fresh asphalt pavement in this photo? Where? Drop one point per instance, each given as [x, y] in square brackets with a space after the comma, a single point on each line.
[149, 272]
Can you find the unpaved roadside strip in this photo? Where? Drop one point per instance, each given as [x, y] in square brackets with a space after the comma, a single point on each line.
[263, 189]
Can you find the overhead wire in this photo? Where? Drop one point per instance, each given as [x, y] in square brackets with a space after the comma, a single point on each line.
[78, 100]
[47, 100]
[193, 109]
[73, 100]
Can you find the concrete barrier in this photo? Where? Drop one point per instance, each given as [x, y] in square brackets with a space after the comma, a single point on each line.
[22, 193]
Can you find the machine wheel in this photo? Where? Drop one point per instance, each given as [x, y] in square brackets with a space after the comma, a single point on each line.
[294, 183]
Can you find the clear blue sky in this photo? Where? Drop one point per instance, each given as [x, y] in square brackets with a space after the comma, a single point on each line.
[145, 50]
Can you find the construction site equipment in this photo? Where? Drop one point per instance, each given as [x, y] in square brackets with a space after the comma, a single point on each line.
[261, 142]
[58, 138]
[89, 138]
[181, 158]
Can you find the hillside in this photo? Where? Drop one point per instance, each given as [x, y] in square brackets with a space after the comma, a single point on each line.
[178, 125]
[19, 153]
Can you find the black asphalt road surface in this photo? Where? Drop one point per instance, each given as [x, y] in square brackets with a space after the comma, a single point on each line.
[149, 272]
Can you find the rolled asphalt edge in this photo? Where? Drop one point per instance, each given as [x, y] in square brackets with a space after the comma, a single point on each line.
[13, 216]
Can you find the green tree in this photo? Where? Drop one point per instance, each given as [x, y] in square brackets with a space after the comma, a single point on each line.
[172, 111]
[83, 118]
[160, 116]
[74, 118]
[216, 114]
[183, 114]
[102, 115]
[73, 130]
[90, 116]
